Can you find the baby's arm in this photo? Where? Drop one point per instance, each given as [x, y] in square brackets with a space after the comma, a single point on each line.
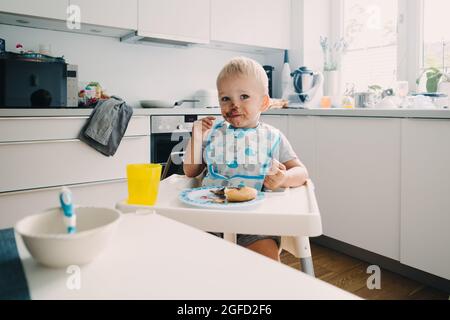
[291, 173]
[190, 168]
[296, 174]
[193, 163]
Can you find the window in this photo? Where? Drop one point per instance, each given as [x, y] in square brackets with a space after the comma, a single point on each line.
[436, 34]
[370, 29]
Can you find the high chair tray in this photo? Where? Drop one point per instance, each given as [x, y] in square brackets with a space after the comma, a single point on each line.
[293, 213]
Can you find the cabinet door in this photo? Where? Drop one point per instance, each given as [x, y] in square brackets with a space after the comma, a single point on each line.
[279, 122]
[37, 164]
[54, 9]
[425, 214]
[358, 181]
[302, 138]
[178, 20]
[13, 129]
[264, 23]
[17, 205]
[110, 13]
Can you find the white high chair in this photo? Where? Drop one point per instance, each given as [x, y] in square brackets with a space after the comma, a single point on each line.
[295, 221]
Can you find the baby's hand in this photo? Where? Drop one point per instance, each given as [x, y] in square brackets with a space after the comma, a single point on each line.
[204, 124]
[275, 176]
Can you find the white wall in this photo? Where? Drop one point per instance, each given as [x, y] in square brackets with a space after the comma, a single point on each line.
[133, 72]
[310, 19]
[316, 23]
[136, 72]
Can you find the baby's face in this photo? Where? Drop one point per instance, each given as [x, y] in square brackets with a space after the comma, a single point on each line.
[242, 99]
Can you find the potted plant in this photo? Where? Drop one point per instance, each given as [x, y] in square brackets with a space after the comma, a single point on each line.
[436, 80]
[331, 58]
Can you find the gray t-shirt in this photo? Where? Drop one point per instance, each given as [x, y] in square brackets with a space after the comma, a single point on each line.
[286, 153]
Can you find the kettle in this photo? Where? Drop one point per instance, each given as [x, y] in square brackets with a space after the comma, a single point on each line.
[308, 88]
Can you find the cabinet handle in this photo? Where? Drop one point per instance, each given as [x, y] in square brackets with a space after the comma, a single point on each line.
[43, 118]
[75, 185]
[59, 141]
[57, 118]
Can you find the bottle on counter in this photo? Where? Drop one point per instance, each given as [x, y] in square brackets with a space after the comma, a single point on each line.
[348, 101]
[287, 86]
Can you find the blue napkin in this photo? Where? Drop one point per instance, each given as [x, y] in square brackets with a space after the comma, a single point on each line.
[13, 284]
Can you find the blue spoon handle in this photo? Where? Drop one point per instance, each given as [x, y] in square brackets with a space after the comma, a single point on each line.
[65, 198]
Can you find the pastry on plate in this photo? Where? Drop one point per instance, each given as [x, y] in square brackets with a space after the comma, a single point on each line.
[236, 194]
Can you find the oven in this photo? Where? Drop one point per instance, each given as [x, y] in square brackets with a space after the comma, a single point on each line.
[170, 133]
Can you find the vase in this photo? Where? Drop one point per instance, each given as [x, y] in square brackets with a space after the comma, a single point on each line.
[331, 83]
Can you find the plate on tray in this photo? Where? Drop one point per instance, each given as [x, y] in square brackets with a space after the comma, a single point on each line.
[204, 197]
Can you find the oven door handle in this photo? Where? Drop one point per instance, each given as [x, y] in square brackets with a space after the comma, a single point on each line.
[182, 131]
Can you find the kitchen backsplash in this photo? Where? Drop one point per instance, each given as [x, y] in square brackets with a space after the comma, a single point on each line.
[133, 72]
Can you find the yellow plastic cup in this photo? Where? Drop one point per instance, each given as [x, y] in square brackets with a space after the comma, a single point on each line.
[143, 183]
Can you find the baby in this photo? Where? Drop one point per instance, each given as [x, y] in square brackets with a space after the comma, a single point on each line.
[241, 150]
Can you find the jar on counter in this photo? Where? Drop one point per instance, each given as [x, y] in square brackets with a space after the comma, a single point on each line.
[91, 92]
[348, 102]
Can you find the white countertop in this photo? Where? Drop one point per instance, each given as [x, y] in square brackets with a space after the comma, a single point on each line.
[379, 113]
[153, 257]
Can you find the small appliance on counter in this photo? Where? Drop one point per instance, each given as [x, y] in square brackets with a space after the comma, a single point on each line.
[34, 80]
[206, 98]
[308, 89]
[72, 85]
[164, 103]
[269, 72]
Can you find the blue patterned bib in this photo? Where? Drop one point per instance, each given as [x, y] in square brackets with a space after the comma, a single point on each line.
[239, 156]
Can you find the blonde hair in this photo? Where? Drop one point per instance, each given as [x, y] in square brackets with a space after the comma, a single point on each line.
[242, 66]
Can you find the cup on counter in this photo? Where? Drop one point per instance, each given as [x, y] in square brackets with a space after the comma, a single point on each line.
[363, 99]
[325, 102]
[143, 183]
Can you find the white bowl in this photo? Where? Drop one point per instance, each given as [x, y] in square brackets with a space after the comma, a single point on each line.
[45, 237]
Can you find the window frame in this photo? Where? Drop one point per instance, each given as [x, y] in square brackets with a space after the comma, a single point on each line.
[409, 36]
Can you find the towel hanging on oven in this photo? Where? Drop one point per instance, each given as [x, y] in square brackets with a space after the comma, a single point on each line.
[106, 125]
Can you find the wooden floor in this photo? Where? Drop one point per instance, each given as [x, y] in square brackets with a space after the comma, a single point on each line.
[350, 274]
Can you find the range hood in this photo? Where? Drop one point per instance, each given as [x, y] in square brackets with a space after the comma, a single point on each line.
[137, 37]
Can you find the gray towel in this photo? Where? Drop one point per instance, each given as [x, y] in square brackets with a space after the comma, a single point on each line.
[106, 126]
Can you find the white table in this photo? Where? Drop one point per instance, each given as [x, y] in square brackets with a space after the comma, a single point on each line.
[146, 261]
[293, 215]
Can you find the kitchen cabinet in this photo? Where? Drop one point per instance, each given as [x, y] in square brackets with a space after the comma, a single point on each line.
[37, 164]
[302, 137]
[300, 133]
[41, 154]
[357, 181]
[176, 20]
[53, 9]
[425, 204]
[262, 23]
[279, 122]
[109, 13]
[29, 129]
